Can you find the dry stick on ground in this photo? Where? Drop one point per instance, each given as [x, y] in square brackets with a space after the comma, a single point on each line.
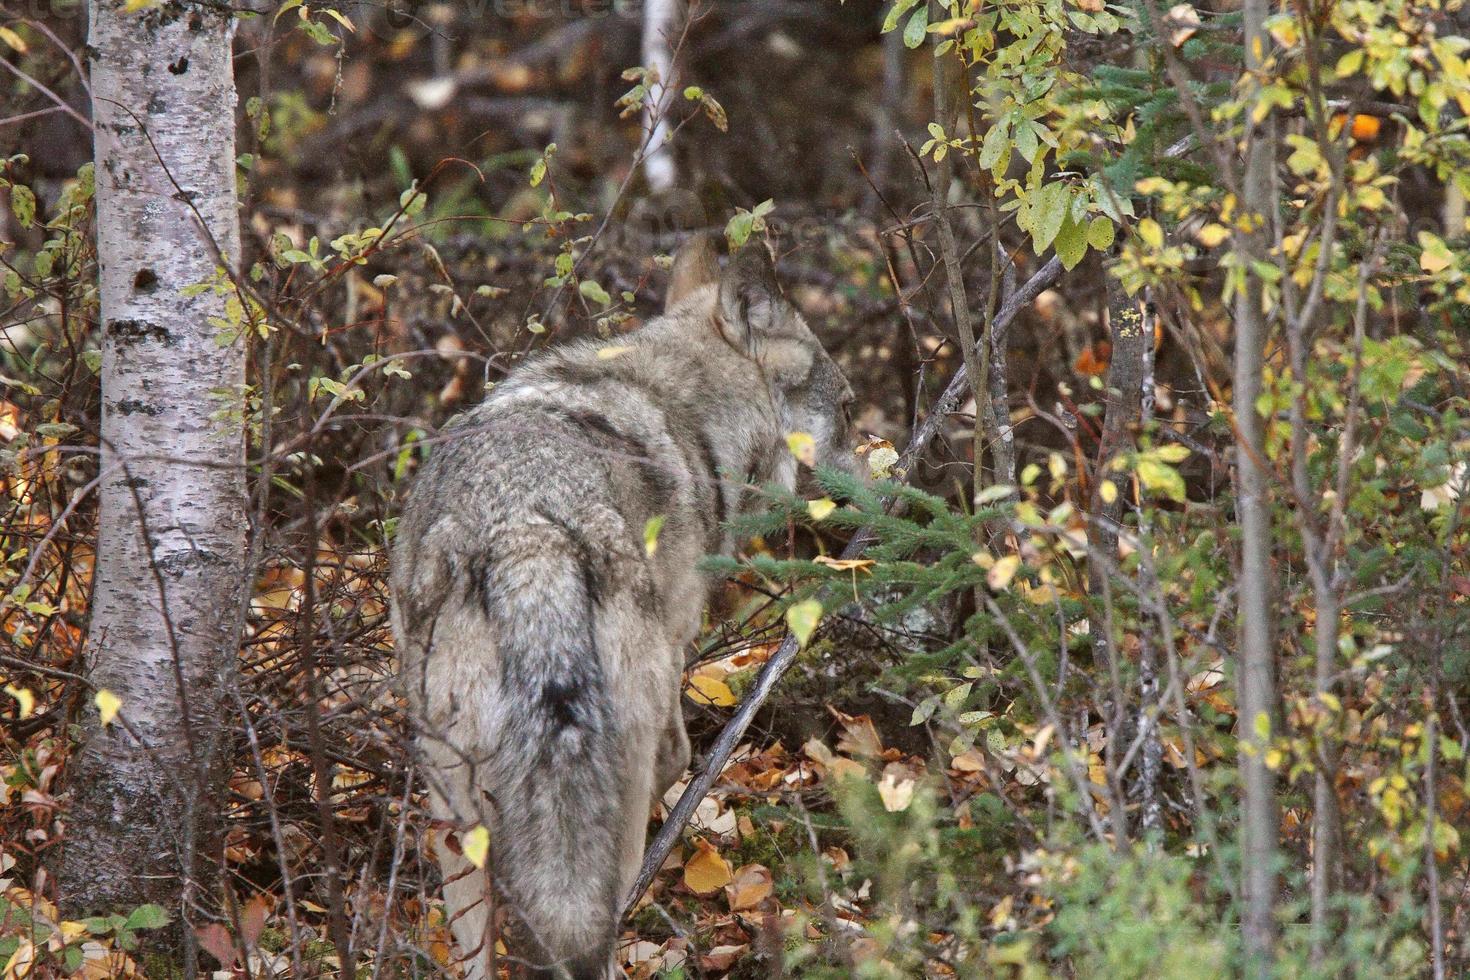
[782, 660]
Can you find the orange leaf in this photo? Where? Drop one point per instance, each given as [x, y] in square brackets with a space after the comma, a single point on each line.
[751, 885]
[706, 872]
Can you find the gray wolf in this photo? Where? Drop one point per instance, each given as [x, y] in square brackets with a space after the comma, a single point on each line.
[542, 640]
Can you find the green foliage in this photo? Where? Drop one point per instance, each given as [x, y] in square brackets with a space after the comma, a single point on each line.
[43, 941]
[1155, 925]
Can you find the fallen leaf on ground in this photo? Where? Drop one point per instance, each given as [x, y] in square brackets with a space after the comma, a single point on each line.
[896, 788]
[751, 885]
[704, 689]
[706, 872]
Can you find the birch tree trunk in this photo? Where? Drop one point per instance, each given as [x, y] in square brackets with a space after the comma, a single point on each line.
[660, 20]
[1255, 666]
[170, 551]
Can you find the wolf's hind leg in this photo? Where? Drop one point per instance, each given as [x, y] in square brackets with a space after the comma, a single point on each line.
[465, 903]
[673, 750]
[465, 900]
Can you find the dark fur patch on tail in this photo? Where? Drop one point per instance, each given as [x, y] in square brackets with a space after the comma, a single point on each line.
[556, 787]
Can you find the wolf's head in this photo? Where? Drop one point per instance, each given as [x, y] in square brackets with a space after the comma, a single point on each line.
[753, 317]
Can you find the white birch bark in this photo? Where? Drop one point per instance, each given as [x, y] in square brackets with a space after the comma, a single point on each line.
[170, 551]
[660, 20]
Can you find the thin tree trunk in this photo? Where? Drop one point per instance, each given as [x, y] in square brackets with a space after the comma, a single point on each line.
[171, 545]
[1124, 406]
[887, 113]
[976, 356]
[1003, 448]
[660, 19]
[1255, 667]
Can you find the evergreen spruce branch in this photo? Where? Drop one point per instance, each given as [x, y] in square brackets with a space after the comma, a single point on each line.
[785, 656]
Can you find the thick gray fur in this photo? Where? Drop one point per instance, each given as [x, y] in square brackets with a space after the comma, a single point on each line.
[542, 645]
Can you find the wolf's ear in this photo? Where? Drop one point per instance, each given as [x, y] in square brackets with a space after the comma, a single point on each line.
[751, 303]
[695, 265]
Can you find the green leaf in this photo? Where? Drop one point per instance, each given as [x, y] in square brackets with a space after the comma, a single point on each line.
[1049, 210]
[994, 144]
[925, 710]
[147, 917]
[917, 27]
[1100, 233]
[1350, 63]
[1071, 243]
[802, 619]
[591, 289]
[900, 7]
[102, 924]
[1160, 476]
[412, 201]
[737, 229]
[23, 203]
[1027, 142]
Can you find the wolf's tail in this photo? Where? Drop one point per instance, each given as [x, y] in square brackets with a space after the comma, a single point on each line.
[556, 786]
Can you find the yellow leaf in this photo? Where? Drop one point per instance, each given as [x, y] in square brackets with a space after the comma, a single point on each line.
[1212, 234]
[14, 40]
[476, 846]
[25, 700]
[650, 534]
[1043, 595]
[1000, 574]
[819, 509]
[339, 18]
[706, 872]
[1436, 256]
[21, 960]
[802, 619]
[844, 564]
[1151, 233]
[710, 690]
[803, 447]
[1001, 914]
[881, 462]
[952, 26]
[108, 705]
[1108, 490]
